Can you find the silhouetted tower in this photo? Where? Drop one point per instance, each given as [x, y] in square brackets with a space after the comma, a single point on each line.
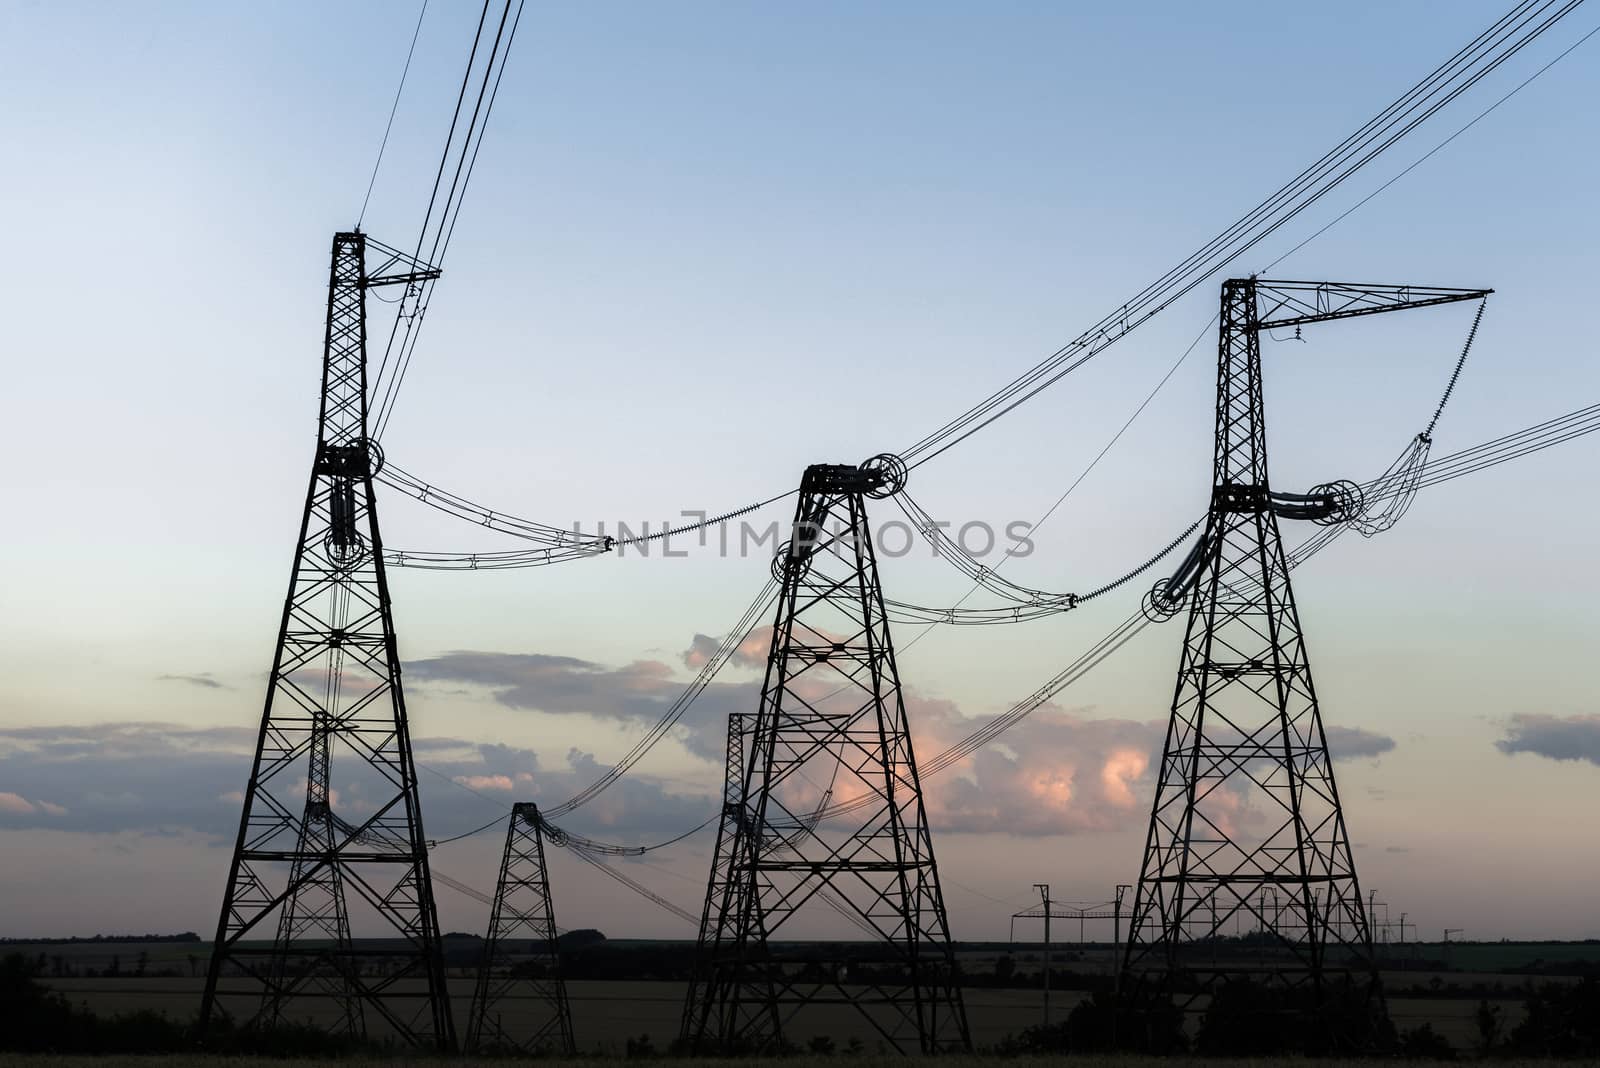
[722, 888]
[722, 883]
[831, 725]
[1246, 806]
[519, 1004]
[302, 875]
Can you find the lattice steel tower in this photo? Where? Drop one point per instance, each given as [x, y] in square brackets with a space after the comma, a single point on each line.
[723, 888]
[519, 1004]
[302, 876]
[1246, 823]
[828, 812]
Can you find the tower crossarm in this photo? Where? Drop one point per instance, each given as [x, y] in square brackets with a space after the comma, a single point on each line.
[396, 268]
[1289, 303]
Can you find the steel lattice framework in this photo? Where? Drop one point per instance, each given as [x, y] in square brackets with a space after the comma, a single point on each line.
[831, 722]
[284, 949]
[1246, 822]
[723, 888]
[519, 1004]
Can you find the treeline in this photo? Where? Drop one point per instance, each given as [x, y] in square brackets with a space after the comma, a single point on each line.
[36, 1019]
[187, 936]
[1246, 1019]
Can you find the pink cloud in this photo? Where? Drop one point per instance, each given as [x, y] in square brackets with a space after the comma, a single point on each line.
[1055, 772]
[10, 802]
[1121, 769]
[485, 782]
[751, 652]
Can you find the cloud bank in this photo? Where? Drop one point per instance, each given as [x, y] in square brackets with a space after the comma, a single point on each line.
[1060, 771]
[1553, 737]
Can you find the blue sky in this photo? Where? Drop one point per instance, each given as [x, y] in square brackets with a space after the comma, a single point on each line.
[706, 245]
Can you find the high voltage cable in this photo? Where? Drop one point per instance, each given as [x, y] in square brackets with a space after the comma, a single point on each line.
[520, 528]
[1028, 603]
[731, 642]
[393, 108]
[637, 887]
[400, 346]
[1508, 447]
[559, 543]
[1515, 26]
[730, 645]
[1161, 293]
[1475, 458]
[1485, 53]
[1420, 160]
[441, 246]
[1501, 450]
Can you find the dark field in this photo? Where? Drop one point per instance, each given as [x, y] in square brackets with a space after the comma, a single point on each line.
[1090, 1061]
[1431, 986]
[606, 1013]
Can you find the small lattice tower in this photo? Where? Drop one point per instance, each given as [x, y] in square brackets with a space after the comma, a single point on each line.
[304, 877]
[827, 820]
[722, 889]
[1246, 830]
[519, 1004]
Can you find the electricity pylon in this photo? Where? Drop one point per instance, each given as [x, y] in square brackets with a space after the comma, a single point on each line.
[284, 950]
[519, 1004]
[722, 889]
[1246, 807]
[831, 724]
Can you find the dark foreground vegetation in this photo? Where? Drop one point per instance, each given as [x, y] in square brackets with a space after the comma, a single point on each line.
[1243, 1020]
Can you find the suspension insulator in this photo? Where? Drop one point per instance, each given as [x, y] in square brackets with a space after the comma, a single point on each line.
[344, 545]
[1158, 606]
[1348, 501]
[891, 473]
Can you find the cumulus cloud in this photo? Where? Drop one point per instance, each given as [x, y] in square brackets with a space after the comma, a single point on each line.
[162, 778]
[1554, 737]
[1056, 772]
[750, 653]
[1350, 743]
[562, 685]
[485, 782]
[16, 804]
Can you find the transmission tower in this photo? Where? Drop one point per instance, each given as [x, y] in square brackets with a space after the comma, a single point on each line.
[722, 884]
[302, 876]
[519, 1004]
[1246, 808]
[831, 723]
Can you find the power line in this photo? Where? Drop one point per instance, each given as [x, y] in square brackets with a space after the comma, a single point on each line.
[393, 108]
[1509, 34]
[1420, 160]
[400, 347]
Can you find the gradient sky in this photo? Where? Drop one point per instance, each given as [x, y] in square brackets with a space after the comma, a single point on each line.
[706, 245]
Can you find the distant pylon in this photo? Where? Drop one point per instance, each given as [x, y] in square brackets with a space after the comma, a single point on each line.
[519, 1004]
[831, 725]
[1246, 807]
[722, 889]
[284, 949]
